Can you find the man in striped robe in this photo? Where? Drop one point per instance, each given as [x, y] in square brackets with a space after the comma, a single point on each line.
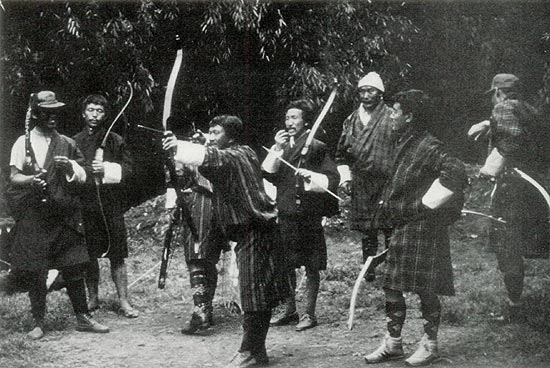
[245, 214]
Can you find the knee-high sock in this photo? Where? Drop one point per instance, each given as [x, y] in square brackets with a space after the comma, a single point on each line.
[76, 288]
[512, 266]
[211, 282]
[199, 288]
[312, 289]
[396, 312]
[91, 275]
[37, 294]
[291, 299]
[431, 312]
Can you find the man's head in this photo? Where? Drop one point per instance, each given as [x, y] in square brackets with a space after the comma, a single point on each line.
[46, 110]
[225, 131]
[299, 116]
[371, 89]
[504, 86]
[94, 110]
[409, 107]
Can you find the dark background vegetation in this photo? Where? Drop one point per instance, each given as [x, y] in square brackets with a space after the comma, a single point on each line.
[251, 58]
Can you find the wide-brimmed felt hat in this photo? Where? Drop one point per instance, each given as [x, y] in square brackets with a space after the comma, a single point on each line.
[47, 100]
[503, 80]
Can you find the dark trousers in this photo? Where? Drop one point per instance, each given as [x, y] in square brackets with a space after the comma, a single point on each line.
[512, 266]
[255, 328]
[76, 290]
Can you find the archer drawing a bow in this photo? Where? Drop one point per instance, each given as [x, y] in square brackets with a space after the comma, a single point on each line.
[182, 210]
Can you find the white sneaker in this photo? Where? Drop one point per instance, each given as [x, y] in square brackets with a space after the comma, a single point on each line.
[425, 354]
[391, 349]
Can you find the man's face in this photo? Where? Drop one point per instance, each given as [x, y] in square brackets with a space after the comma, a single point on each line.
[47, 119]
[369, 97]
[294, 122]
[93, 115]
[399, 120]
[218, 138]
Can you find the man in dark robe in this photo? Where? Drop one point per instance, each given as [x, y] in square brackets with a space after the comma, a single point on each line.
[302, 202]
[363, 156]
[246, 215]
[104, 201]
[48, 230]
[517, 139]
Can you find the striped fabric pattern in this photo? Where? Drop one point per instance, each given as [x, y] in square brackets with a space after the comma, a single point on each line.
[258, 258]
[236, 177]
[367, 150]
[247, 215]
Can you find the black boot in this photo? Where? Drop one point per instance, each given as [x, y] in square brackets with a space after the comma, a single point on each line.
[85, 323]
[198, 321]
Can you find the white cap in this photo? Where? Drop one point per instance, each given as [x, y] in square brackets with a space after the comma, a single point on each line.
[372, 79]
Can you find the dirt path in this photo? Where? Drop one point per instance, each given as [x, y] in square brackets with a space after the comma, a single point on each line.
[154, 340]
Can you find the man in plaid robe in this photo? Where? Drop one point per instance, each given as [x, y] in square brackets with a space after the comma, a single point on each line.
[423, 196]
[246, 215]
[516, 140]
[363, 157]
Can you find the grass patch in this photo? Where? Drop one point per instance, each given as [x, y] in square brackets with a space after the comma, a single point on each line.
[470, 314]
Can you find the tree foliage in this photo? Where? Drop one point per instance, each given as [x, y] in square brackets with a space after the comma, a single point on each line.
[251, 57]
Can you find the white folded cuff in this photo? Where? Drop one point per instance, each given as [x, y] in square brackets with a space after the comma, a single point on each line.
[345, 173]
[79, 175]
[494, 164]
[270, 189]
[112, 173]
[271, 163]
[191, 154]
[318, 183]
[171, 197]
[437, 195]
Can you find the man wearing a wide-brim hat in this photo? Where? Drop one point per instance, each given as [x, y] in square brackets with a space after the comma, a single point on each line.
[48, 232]
[513, 143]
[364, 157]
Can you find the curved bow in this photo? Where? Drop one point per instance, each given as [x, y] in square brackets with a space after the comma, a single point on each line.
[168, 96]
[537, 185]
[317, 123]
[98, 156]
[370, 264]
[104, 141]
